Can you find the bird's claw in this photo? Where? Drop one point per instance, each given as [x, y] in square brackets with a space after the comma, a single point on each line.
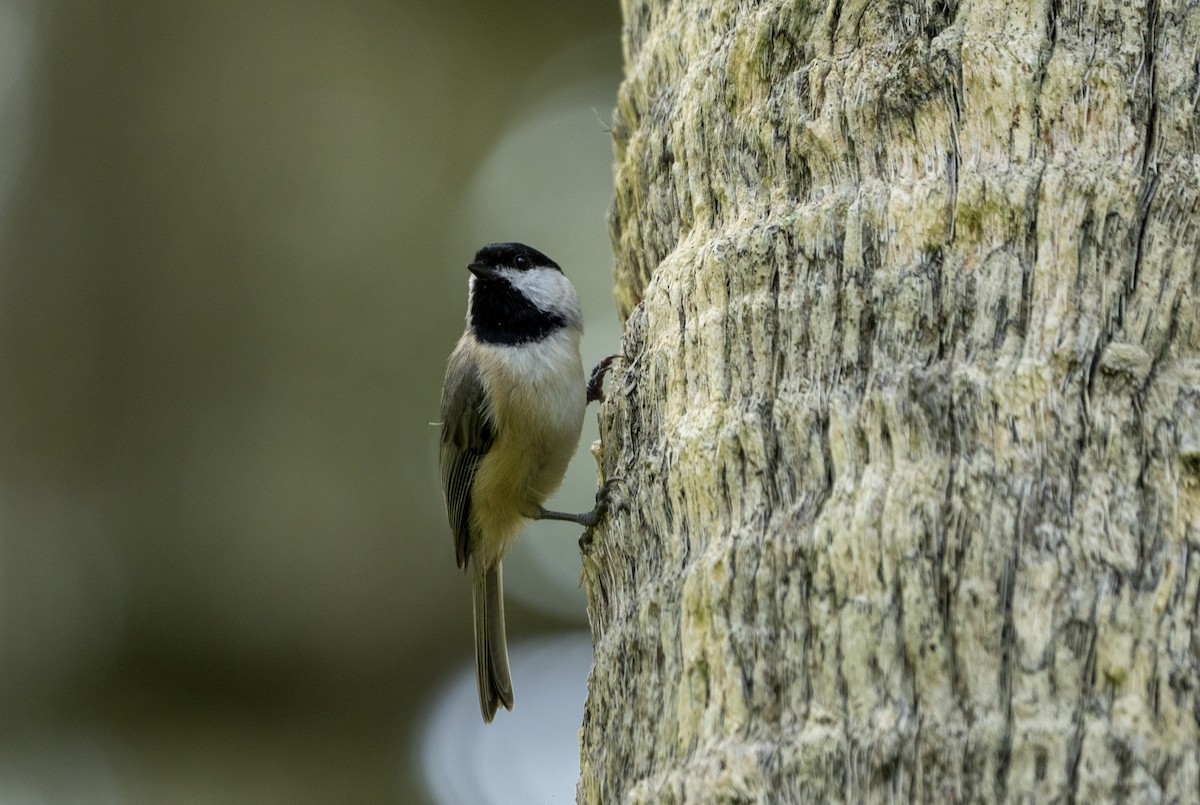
[604, 504]
[595, 384]
[604, 496]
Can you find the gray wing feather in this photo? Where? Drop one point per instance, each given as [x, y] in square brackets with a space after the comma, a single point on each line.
[467, 435]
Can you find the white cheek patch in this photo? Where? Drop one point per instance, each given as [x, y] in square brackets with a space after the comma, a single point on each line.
[548, 289]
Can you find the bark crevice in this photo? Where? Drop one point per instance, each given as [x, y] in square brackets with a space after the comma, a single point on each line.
[911, 407]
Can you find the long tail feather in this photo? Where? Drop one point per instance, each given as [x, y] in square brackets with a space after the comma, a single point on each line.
[491, 647]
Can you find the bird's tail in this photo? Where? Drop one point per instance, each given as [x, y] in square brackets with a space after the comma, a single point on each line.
[491, 648]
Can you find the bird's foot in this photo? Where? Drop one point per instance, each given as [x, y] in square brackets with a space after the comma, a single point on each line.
[595, 384]
[587, 519]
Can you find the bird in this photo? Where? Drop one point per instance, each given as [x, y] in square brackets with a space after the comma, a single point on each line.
[512, 410]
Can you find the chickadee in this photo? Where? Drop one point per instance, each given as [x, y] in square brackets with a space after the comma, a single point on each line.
[512, 411]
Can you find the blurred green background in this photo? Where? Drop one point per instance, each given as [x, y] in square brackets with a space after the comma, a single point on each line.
[233, 240]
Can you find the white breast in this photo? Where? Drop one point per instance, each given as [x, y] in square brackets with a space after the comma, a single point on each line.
[538, 399]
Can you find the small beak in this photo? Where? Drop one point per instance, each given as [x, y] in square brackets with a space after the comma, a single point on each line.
[482, 271]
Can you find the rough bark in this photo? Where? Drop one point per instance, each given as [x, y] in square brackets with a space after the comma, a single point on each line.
[911, 421]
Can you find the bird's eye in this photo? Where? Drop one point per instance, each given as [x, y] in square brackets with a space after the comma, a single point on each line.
[521, 261]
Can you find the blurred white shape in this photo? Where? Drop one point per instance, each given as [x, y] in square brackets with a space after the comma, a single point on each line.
[530, 755]
[55, 769]
[548, 182]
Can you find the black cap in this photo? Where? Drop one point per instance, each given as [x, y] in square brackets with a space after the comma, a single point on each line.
[512, 255]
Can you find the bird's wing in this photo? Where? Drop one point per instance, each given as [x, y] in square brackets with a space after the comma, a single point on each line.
[467, 435]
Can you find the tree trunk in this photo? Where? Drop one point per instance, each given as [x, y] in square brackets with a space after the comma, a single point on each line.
[910, 425]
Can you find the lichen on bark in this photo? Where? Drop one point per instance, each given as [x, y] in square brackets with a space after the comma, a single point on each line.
[911, 416]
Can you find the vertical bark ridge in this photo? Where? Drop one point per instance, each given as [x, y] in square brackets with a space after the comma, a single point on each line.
[912, 416]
